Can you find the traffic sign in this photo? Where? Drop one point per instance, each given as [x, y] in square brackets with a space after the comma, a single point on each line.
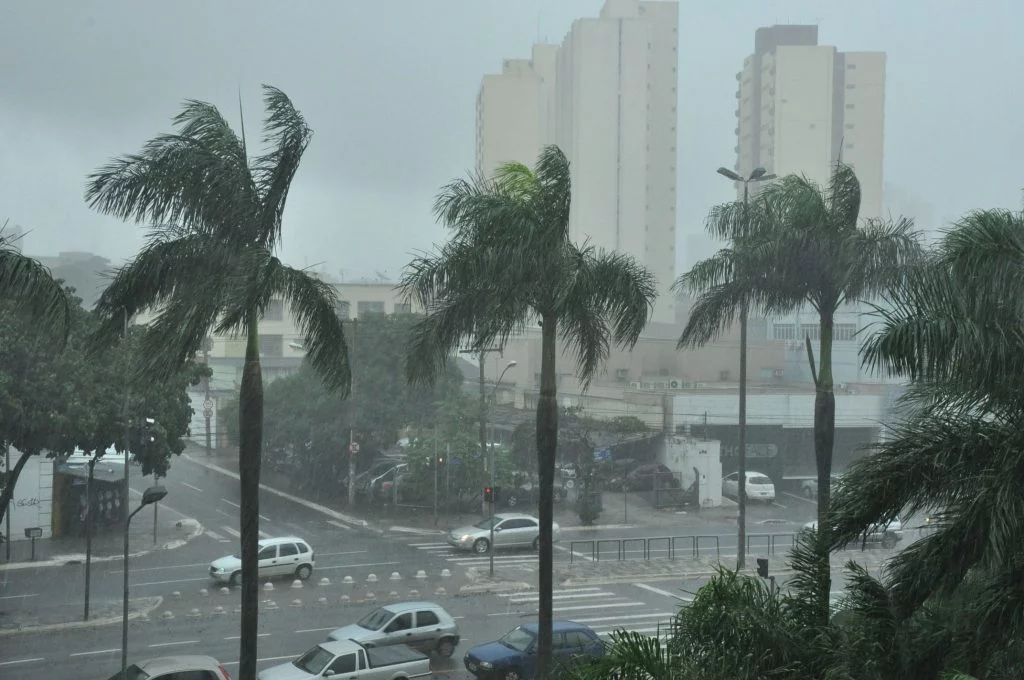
[207, 412]
[208, 404]
[353, 448]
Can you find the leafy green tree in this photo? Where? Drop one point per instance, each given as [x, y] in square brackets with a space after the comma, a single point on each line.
[30, 289]
[209, 265]
[510, 262]
[53, 403]
[955, 330]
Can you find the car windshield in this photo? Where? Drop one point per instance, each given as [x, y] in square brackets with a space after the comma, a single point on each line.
[759, 479]
[313, 661]
[133, 672]
[376, 619]
[518, 639]
[486, 524]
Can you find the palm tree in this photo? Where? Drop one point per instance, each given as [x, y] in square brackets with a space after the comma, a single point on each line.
[799, 244]
[955, 329]
[29, 286]
[510, 260]
[209, 265]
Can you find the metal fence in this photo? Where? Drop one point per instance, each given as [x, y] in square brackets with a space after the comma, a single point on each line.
[646, 548]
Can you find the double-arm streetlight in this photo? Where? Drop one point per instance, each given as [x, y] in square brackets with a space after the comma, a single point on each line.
[149, 496]
[758, 175]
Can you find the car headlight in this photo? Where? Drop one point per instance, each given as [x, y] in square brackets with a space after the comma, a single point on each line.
[486, 664]
[466, 537]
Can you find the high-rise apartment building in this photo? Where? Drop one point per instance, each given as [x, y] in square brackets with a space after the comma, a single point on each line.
[607, 96]
[801, 106]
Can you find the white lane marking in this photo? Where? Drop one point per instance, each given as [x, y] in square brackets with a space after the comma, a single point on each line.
[266, 658]
[598, 619]
[316, 630]
[347, 552]
[471, 561]
[98, 651]
[801, 498]
[659, 591]
[232, 504]
[339, 525]
[536, 593]
[427, 545]
[231, 530]
[162, 583]
[174, 644]
[348, 566]
[265, 519]
[239, 637]
[226, 514]
[11, 597]
[607, 605]
[576, 596]
[194, 488]
[17, 661]
[169, 566]
[573, 553]
[213, 534]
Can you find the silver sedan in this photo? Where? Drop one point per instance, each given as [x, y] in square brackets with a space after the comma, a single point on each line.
[511, 530]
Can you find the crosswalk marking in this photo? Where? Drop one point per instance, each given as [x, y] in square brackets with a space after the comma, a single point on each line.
[339, 525]
[468, 559]
[214, 535]
[234, 532]
[570, 596]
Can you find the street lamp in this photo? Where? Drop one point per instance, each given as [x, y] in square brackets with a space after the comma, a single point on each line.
[490, 546]
[758, 175]
[149, 496]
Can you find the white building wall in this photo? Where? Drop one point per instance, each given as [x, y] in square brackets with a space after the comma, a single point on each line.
[787, 410]
[801, 127]
[509, 117]
[32, 504]
[864, 125]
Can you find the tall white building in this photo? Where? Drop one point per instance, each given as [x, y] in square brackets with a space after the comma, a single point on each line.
[607, 96]
[801, 106]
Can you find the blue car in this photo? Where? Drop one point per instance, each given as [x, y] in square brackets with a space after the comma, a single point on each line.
[514, 656]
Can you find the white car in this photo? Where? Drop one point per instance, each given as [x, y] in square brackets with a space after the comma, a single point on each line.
[888, 535]
[511, 530]
[759, 486]
[285, 556]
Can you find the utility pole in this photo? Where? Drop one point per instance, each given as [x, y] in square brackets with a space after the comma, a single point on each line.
[7, 510]
[488, 469]
[758, 175]
[207, 346]
[353, 447]
[88, 535]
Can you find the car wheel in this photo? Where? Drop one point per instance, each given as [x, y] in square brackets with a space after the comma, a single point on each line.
[445, 648]
[536, 543]
[481, 546]
[236, 579]
[511, 675]
[304, 572]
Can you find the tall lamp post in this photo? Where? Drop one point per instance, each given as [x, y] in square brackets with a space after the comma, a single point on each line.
[490, 545]
[149, 496]
[758, 175]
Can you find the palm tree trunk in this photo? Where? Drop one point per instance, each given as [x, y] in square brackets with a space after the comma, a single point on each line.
[824, 439]
[547, 444]
[250, 441]
[9, 484]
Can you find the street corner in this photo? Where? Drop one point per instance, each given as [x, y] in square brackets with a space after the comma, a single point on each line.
[187, 529]
[59, 618]
[620, 571]
[480, 581]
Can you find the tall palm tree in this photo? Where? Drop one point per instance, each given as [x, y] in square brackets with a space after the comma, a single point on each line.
[799, 245]
[29, 286]
[209, 266]
[956, 329]
[510, 261]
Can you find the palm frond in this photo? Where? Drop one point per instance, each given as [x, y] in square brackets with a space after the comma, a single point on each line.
[28, 284]
[843, 198]
[288, 135]
[553, 192]
[882, 253]
[198, 178]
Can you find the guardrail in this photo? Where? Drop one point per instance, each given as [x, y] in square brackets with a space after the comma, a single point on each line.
[770, 541]
[643, 548]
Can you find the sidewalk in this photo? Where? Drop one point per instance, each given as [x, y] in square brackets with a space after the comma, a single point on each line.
[172, 531]
[621, 511]
[53, 618]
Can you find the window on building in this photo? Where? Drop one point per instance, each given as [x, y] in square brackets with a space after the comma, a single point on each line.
[849, 126]
[844, 331]
[850, 106]
[364, 306]
[851, 86]
[274, 311]
[403, 308]
[343, 309]
[784, 331]
[810, 330]
[271, 345]
[851, 67]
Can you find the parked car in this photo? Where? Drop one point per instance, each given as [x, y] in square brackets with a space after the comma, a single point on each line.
[422, 625]
[759, 486]
[510, 531]
[887, 535]
[285, 556]
[349, 660]
[809, 487]
[193, 667]
[651, 476]
[368, 482]
[526, 492]
[514, 655]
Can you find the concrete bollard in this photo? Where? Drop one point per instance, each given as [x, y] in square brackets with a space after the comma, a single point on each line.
[369, 597]
[421, 575]
[238, 609]
[325, 581]
[296, 584]
[344, 600]
[296, 603]
[218, 610]
[143, 618]
[347, 580]
[393, 596]
[203, 592]
[446, 573]
[167, 615]
[414, 594]
[440, 591]
[225, 591]
[372, 578]
[270, 604]
[268, 586]
[395, 576]
[194, 614]
[322, 601]
[176, 594]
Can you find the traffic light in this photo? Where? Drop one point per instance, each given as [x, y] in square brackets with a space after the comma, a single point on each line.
[762, 567]
[488, 494]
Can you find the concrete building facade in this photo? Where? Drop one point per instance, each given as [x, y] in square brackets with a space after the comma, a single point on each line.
[607, 96]
[801, 106]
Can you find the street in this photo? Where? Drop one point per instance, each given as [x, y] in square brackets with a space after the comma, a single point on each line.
[188, 613]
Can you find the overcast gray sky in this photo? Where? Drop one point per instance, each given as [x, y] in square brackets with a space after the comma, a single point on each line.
[389, 87]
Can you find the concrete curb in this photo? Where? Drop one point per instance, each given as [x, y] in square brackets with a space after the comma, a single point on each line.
[496, 587]
[334, 514]
[154, 604]
[64, 560]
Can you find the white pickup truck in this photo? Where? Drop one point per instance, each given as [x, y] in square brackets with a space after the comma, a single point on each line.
[349, 660]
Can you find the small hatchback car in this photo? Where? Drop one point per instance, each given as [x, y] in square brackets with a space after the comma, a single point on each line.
[278, 557]
[422, 625]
